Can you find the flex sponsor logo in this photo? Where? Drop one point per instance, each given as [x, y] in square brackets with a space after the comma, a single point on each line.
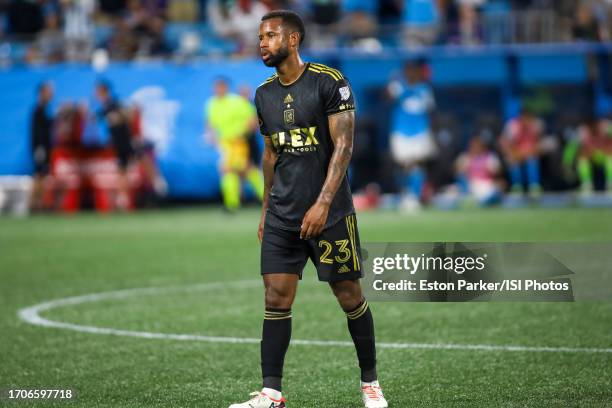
[296, 140]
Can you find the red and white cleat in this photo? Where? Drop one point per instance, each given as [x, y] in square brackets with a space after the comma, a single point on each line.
[372, 395]
[266, 398]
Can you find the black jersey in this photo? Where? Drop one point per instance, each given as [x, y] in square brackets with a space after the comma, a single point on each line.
[119, 131]
[295, 118]
[41, 126]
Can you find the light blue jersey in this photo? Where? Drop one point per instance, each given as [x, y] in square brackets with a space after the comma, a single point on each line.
[412, 107]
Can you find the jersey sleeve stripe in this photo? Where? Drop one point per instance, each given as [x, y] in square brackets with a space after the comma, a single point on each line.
[326, 68]
[337, 76]
[331, 74]
[267, 81]
[322, 66]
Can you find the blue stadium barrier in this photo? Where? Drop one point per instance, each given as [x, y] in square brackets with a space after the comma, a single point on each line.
[553, 68]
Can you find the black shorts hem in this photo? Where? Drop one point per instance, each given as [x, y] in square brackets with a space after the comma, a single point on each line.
[340, 278]
[298, 273]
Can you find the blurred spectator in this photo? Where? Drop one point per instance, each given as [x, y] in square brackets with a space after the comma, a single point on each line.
[325, 12]
[324, 17]
[411, 139]
[146, 26]
[449, 20]
[360, 20]
[41, 126]
[595, 138]
[478, 172]
[237, 20]
[138, 33]
[520, 146]
[116, 120]
[49, 45]
[231, 119]
[586, 27]
[496, 21]
[122, 44]
[78, 28]
[420, 20]
[468, 20]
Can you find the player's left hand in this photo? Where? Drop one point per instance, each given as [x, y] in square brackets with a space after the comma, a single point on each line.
[314, 220]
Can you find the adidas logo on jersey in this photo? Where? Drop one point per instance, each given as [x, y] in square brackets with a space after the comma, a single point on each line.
[344, 269]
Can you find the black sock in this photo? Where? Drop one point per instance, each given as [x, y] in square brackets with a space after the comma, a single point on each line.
[361, 327]
[274, 343]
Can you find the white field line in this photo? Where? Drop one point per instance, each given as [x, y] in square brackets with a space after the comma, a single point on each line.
[32, 315]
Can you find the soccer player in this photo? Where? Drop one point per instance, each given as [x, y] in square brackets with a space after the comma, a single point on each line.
[40, 130]
[411, 140]
[306, 114]
[115, 118]
[232, 118]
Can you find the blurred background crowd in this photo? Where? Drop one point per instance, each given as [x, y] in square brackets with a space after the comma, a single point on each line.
[106, 104]
[34, 31]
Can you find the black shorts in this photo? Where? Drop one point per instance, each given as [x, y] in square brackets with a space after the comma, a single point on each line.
[42, 158]
[123, 147]
[336, 253]
[124, 155]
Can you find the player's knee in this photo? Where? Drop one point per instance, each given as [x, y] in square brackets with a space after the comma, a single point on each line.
[348, 294]
[348, 301]
[278, 297]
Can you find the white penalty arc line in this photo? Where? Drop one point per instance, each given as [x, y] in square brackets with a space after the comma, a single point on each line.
[32, 316]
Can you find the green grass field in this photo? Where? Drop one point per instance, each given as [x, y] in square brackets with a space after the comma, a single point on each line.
[44, 258]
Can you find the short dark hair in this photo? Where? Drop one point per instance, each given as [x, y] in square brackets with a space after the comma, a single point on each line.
[291, 19]
[42, 85]
[104, 84]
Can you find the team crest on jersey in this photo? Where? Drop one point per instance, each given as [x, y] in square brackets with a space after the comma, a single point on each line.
[288, 98]
[345, 92]
[289, 116]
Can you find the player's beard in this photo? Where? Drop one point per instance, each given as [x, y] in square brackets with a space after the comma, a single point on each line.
[276, 59]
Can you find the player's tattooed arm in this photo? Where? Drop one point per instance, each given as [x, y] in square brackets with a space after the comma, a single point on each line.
[268, 162]
[341, 128]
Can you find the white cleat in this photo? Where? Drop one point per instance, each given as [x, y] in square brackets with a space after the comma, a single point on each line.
[372, 395]
[266, 398]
